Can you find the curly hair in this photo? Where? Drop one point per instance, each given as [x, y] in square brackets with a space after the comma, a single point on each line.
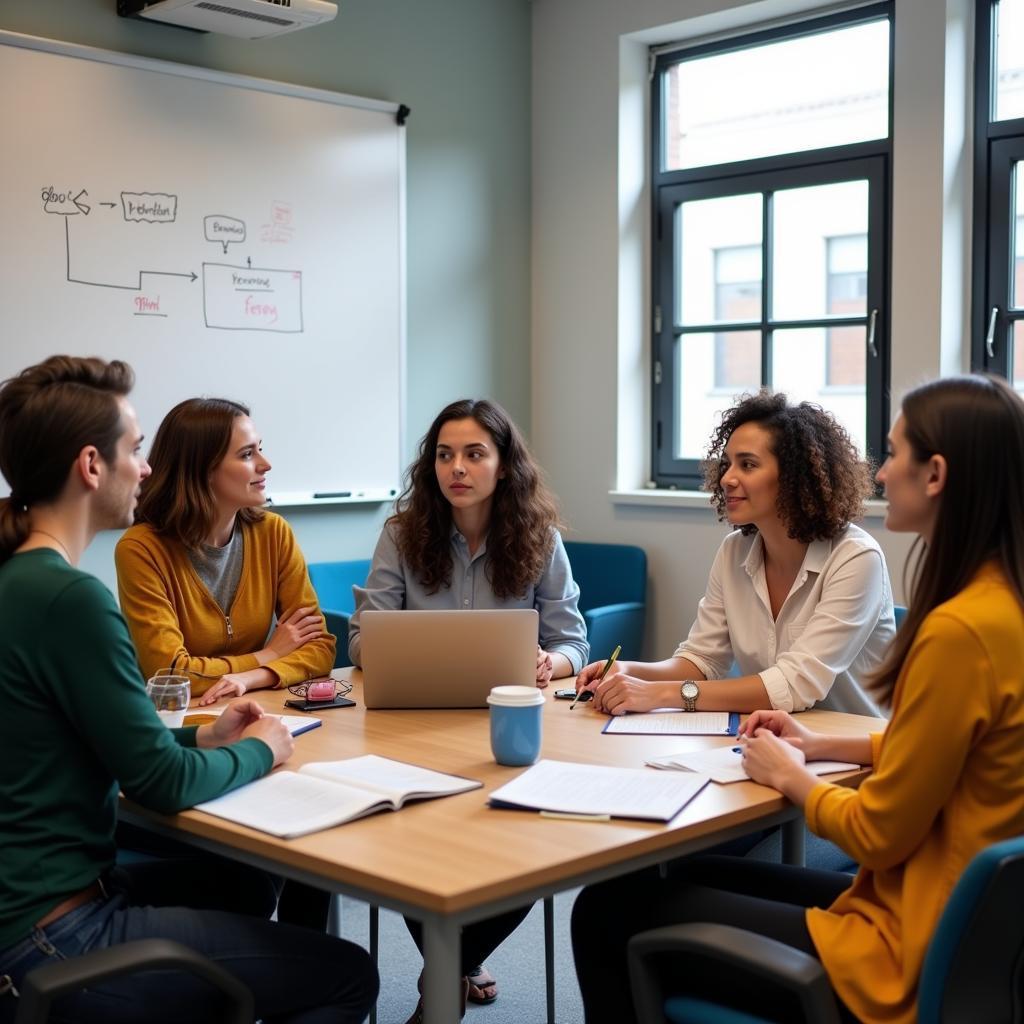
[823, 481]
[189, 445]
[524, 516]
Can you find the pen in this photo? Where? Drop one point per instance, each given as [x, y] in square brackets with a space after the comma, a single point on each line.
[607, 665]
[569, 816]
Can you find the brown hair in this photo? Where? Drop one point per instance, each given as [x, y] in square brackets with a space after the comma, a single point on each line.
[189, 445]
[48, 414]
[976, 424]
[523, 516]
[823, 481]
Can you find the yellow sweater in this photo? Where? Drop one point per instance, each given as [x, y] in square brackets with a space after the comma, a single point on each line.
[948, 781]
[171, 614]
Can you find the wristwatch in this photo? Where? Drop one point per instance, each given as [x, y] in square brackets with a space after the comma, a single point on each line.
[689, 691]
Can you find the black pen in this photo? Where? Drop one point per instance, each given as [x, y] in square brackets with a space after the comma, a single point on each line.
[607, 665]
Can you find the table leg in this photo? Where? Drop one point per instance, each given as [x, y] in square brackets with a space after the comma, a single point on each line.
[793, 842]
[441, 974]
[374, 948]
[549, 955]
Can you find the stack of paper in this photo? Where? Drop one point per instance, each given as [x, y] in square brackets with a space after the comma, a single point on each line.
[586, 789]
[725, 764]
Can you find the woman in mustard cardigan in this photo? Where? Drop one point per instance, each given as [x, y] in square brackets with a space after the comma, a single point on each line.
[205, 570]
[946, 772]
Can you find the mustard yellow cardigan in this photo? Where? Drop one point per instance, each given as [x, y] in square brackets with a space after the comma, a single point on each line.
[947, 782]
[171, 614]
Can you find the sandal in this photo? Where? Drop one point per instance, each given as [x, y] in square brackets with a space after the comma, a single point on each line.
[483, 989]
[417, 1014]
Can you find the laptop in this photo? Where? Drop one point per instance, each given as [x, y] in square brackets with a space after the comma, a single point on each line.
[445, 659]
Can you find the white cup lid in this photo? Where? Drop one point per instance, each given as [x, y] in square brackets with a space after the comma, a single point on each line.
[515, 696]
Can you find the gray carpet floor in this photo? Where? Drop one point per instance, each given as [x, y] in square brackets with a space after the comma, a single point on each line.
[518, 966]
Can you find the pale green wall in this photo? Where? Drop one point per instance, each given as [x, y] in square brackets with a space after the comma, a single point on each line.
[463, 66]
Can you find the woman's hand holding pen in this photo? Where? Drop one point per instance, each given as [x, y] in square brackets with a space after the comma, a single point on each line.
[619, 692]
[591, 674]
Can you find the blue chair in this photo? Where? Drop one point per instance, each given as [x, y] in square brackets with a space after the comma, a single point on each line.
[613, 595]
[333, 583]
[973, 970]
[899, 612]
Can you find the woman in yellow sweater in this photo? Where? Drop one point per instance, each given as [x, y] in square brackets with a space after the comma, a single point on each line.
[205, 570]
[946, 772]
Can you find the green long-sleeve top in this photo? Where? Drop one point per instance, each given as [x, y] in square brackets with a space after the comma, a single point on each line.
[76, 725]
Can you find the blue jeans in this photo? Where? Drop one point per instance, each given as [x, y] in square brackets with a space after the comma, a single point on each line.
[296, 975]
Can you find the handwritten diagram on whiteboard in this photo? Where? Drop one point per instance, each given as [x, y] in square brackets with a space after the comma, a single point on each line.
[236, 297]
[226, 236]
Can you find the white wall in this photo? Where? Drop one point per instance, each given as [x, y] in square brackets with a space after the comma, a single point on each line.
[591, 255]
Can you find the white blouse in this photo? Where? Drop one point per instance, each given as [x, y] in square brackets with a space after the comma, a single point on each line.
[832, 629]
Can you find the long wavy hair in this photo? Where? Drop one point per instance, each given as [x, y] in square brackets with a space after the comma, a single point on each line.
[823, 481]
[976, 424]
[523, 515]
[190, 443]
[48, 413]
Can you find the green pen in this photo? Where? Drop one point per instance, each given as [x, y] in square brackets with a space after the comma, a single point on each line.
[607, 665]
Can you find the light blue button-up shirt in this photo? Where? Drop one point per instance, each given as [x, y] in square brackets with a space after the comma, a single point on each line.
[555, 595]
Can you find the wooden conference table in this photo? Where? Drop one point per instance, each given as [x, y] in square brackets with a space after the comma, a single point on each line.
[454, 860]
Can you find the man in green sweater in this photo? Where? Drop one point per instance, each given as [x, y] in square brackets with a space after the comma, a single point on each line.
[77, 726]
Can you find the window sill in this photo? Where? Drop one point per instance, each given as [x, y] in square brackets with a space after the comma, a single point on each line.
[665, 498]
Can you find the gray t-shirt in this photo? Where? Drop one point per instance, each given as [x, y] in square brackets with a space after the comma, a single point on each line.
[220, 568]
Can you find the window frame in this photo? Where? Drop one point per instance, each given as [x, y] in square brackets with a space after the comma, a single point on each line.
[833, 164]
[998, 146]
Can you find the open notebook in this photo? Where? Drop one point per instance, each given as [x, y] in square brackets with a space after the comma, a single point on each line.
[323, 794]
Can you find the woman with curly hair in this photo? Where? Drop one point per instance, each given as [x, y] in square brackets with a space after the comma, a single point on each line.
[798, 597]
[477, 528]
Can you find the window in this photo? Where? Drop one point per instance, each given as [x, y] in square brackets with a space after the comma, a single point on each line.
[738, 298]
[998, 309]
[770, 185]
[846, 293]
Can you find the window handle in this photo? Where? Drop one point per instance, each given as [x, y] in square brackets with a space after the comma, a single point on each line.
[990, 334]
[872, 322]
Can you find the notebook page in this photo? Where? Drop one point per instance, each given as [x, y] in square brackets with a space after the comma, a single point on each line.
[596, 789]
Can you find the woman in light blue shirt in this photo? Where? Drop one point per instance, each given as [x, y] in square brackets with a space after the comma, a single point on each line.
[477, 528]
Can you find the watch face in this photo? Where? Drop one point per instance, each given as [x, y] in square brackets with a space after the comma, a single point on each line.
[690, 690]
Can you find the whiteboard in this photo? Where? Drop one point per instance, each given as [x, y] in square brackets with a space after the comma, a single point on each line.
[227, 236]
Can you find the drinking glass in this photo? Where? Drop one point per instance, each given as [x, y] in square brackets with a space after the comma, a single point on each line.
[170, 695]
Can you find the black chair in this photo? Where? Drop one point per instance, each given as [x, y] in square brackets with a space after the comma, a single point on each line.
[974, 969]
[43, 986]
